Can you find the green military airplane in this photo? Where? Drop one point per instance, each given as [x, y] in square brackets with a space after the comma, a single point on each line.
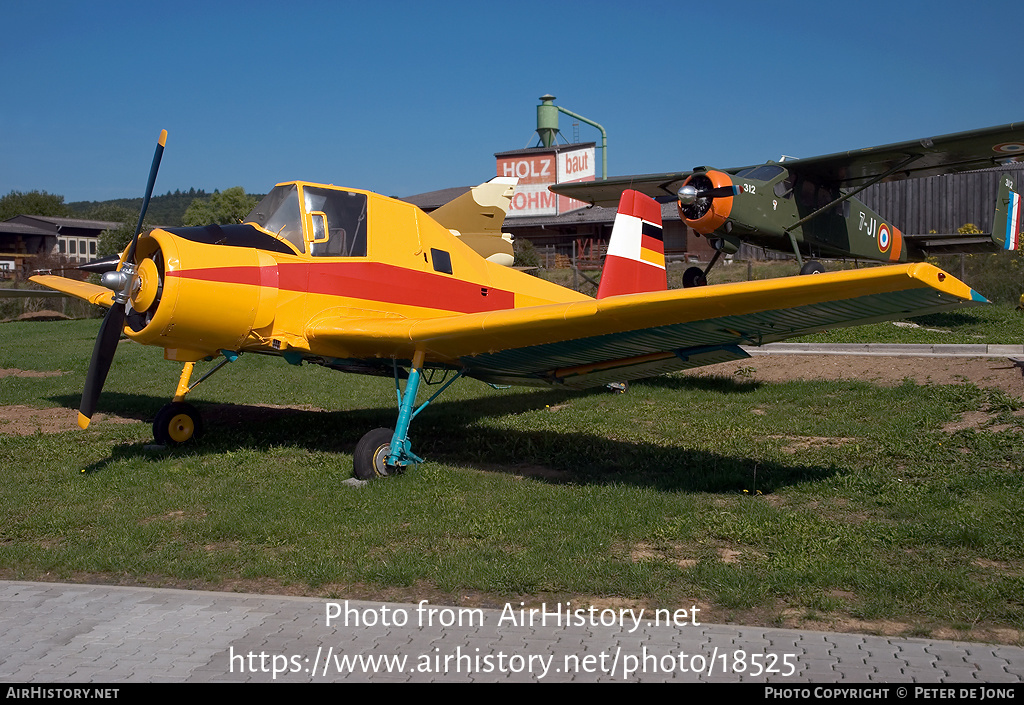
[807, 206]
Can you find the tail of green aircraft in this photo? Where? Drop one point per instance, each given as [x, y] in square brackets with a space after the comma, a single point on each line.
[1006, 226]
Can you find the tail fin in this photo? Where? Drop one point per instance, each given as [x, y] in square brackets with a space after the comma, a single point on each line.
[636, 251]
[1006, 226]
[477, 216]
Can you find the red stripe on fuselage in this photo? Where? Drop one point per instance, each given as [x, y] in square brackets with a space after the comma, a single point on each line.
[225, 275]
[370, 281]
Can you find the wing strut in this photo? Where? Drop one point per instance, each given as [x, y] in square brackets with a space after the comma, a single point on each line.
[383, 452]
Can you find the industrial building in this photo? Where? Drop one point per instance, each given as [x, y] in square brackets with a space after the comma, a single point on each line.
[29, 241]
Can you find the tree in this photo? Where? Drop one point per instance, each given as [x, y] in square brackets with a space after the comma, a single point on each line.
[32, 203]
[526, 255]
[113, 242]
[111, 213]
[223, 208]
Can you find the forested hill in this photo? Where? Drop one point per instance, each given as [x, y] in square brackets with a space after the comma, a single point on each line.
[167, 209]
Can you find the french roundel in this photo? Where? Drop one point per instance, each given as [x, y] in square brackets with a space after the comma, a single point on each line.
[884, 238]
[1009, 148]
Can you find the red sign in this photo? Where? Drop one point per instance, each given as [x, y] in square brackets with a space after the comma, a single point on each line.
[540, 169]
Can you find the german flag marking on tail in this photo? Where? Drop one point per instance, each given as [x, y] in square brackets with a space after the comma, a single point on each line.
[636, 251]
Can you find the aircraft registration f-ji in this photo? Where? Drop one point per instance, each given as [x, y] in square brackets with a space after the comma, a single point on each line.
[358, 282]
[807, 207]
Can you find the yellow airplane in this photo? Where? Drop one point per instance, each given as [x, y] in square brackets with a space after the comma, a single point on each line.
[358, 282]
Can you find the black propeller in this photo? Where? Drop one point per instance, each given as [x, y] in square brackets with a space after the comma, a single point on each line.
[689, 194]
[96, 266]
[100, 266]
[113, 323]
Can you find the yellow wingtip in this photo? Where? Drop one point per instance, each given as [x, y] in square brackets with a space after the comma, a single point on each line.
[163, 138]
[83, 420]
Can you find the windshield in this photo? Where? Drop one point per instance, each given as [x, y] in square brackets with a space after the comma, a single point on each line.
[765, 172]
[345, 216]
[278, 213]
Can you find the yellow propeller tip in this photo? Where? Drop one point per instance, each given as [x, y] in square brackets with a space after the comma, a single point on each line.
[163, 138]
[83, 420]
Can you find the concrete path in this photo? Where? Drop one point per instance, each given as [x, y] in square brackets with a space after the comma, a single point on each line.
[888, 349]
[61, 633]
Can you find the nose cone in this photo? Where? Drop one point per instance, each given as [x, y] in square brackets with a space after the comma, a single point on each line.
[687, 194]
[115, 280]
[146, 286]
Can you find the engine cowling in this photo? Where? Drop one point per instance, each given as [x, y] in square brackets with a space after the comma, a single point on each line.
[195, 299]
[700, 205]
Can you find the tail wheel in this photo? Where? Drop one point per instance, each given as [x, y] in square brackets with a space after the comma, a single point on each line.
[370, 460]
[694, 276]
[177, 423]
[813, 267]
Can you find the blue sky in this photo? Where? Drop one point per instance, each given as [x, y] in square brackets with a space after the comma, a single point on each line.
[405, 97]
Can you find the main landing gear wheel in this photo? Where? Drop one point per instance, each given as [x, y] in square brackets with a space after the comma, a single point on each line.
[177, 423]
[694, 276]
[370, 460]
[813, 267]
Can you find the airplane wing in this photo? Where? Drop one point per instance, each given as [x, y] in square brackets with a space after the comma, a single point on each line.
[946, 154]
[93, 293]
[931, 156]
[618, 338]
[606, 192]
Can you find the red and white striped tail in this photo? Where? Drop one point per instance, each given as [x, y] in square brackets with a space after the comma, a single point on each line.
[636, 251]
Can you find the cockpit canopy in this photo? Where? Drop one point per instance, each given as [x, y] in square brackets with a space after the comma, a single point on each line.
[765, 172]
[328, 222]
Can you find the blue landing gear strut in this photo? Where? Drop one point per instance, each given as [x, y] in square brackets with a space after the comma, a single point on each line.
[383, 452]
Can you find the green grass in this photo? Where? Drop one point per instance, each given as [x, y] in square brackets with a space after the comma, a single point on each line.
[996, 324]
[804, 503]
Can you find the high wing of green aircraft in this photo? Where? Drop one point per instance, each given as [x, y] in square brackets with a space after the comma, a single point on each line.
[808, 206]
